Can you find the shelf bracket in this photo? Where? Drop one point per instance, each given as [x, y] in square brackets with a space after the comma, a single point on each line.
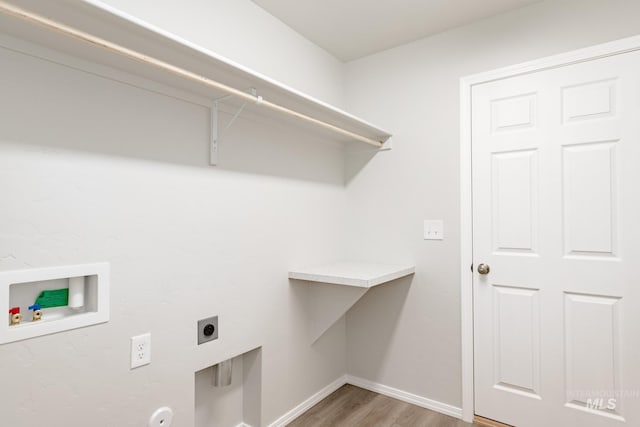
[217, 133]
[213, 153]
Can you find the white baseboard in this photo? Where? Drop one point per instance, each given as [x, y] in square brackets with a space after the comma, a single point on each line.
[243, 425]
[307, 404]
[414, 399]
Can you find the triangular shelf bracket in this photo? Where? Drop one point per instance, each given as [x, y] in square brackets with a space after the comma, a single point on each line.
[213, 155]
[216, 132]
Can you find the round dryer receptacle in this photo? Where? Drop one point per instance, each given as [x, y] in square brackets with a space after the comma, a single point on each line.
[209, 330]
[162, 417]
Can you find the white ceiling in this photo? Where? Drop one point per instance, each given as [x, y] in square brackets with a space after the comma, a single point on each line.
[350, 29]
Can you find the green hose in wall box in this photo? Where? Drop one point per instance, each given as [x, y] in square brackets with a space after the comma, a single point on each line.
[53, 298]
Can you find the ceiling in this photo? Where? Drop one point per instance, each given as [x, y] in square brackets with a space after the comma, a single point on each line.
[350, 29]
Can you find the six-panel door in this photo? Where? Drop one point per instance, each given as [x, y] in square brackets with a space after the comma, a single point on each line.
[556, 185]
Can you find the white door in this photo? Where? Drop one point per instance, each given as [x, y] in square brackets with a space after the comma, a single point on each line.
[556, 207]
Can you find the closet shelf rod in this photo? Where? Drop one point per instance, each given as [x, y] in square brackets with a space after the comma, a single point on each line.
[50, 24]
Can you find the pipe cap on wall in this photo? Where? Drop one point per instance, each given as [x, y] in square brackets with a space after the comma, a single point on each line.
[162, 417]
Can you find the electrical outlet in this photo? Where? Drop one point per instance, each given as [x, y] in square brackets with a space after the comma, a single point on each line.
[207, 329]
[140, 350]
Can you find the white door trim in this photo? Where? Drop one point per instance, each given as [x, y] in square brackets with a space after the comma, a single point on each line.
[466, 204]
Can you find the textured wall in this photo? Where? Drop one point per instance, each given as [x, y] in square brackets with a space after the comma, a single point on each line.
[410, 339]
[96, 170]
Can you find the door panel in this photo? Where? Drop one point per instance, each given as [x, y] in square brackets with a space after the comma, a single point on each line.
[517, 340]
[515, 201]
[592, 328]
[556, 169]
[513, 113]
[589, 198]
[589, 100]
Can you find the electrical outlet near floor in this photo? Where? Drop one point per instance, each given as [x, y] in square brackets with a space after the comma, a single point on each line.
[140, 350]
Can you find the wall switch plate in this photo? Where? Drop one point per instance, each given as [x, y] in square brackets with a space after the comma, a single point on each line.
[207, 329]
[433, 229]
[140, 350]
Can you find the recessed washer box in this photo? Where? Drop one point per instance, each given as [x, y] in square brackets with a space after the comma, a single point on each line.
[87, 286]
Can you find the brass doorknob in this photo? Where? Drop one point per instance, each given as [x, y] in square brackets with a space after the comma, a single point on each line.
[483, 269]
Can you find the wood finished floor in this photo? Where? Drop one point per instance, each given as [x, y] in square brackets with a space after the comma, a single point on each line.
[351, 406]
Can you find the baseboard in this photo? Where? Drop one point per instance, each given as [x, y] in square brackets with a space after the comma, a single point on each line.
[414, 399]
[243, 425]
[307, 404]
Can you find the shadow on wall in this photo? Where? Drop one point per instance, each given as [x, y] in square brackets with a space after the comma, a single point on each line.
[324, 304]
[280, 148]
[382, 305]
[59, 108]
[357, 158]
[307, 313]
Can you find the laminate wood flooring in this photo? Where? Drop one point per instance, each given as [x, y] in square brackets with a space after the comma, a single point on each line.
[351, 406]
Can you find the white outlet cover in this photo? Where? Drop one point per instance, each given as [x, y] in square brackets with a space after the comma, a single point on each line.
[140, 350]
[433, 229]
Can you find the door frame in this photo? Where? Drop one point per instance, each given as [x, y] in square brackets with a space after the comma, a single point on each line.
[466, 200]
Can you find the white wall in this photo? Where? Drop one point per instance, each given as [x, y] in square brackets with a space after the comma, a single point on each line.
[96, 170]
[410, 339]
[248, 35]
[222, 405]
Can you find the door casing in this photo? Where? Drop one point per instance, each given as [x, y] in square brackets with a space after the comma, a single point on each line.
[466, 201]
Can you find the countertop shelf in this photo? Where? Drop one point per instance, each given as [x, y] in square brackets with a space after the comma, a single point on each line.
[359, 274]
[107, 23]
[348, 282]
